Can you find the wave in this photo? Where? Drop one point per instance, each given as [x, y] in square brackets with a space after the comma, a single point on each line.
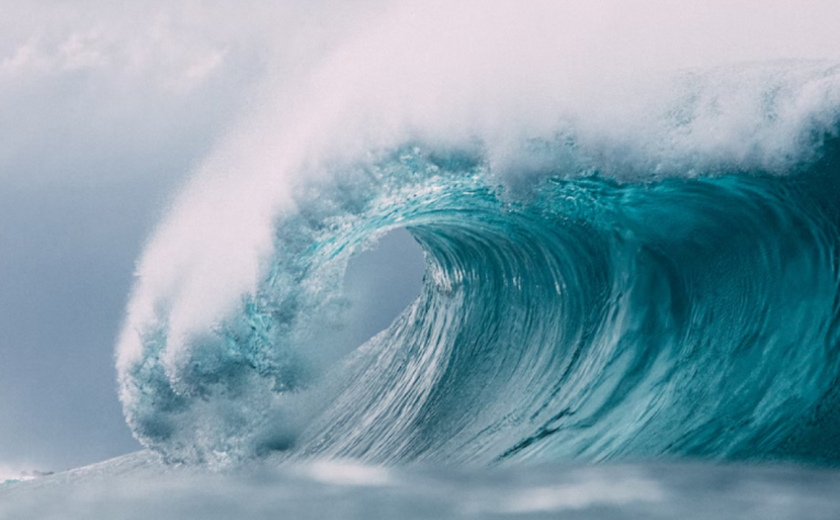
[584, 298]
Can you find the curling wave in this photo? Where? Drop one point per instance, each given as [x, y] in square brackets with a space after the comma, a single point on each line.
[581, 308]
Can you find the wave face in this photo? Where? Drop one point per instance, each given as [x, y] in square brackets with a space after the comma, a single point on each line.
[569, 312]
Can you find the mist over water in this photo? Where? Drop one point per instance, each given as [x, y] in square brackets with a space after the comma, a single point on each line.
[138, 487]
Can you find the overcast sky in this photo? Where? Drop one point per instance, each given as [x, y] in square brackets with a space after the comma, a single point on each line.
[108, 106]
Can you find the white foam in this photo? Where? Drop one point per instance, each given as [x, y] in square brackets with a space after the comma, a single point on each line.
[582, 495]
[348, 473]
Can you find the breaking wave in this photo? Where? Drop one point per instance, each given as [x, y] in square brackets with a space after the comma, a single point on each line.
[664, 289]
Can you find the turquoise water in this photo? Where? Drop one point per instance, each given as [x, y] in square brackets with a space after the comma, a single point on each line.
[586, 319]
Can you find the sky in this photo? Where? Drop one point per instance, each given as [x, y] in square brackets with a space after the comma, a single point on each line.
[111, 108]
[90, 151]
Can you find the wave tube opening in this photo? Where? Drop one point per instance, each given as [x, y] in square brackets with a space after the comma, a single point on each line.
[381, 282]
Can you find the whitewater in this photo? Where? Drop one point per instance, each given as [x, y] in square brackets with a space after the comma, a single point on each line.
[630, 301]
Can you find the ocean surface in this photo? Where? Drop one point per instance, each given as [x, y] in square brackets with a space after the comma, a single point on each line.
[139, 486]
[621, 317]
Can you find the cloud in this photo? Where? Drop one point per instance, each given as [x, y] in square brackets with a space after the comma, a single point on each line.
[92, 90]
